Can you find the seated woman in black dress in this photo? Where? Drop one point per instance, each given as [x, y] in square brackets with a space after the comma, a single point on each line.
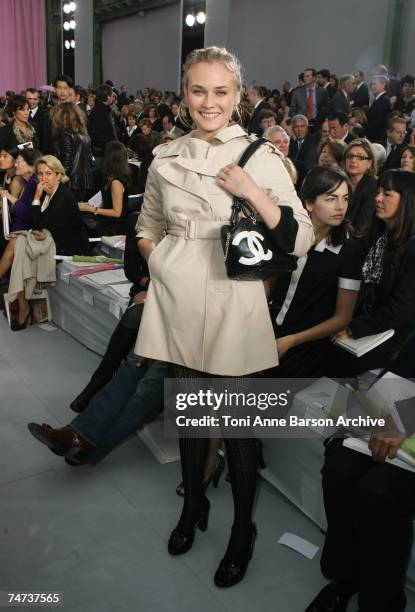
[111, 218]
[387, 295]
[370, 504]
[359, 163]
[317, 299]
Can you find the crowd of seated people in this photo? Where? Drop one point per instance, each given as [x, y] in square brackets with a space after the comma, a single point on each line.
[349, 150]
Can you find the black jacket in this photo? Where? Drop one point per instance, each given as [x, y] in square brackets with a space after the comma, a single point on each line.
[64, 221]
[360, 96]
[377, 117]
[394, 301]
[74, 151]
[339, 102]
[39, 121]
[362, 205]
[8, 137]
[393, 160]
[101, 128]
[307, 153]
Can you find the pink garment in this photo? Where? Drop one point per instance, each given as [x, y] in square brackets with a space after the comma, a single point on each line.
[92, 269]
[22, 44]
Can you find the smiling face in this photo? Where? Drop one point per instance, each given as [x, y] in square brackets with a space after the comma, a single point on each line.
[329, 209]
[211, 97]
[49, 177]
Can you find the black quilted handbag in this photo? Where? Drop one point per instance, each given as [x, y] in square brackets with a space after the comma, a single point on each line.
[250, 253]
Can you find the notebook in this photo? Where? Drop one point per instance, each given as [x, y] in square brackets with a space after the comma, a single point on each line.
[402, 459]
[96, 199]
[361, 346]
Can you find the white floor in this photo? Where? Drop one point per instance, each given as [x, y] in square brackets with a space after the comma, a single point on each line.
[99, 535]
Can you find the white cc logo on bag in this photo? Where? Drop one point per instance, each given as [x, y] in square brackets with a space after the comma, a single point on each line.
[254, 245]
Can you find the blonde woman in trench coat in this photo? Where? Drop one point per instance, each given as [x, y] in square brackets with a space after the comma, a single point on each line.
[195, 317]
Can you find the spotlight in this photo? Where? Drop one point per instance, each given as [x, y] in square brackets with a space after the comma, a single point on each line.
[73, 44]
[190, 20]
[72, 24]
[201, 17]
[73, 6]
[67, 44]
[66, 25]
[66, 8]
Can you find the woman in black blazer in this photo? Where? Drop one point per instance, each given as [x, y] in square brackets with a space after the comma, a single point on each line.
[54, 208]
[360, 168]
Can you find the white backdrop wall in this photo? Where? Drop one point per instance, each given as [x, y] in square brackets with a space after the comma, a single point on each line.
[277, 39]
[143, 51]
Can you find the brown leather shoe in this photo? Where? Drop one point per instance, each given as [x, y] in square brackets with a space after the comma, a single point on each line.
[63, 441]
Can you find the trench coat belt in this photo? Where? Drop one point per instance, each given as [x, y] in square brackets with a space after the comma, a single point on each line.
[194, 230]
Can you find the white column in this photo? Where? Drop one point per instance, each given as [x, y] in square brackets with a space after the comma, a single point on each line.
[84, 34]
[217, 23]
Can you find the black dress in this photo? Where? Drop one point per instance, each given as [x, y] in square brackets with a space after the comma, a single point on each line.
[111, 226]
[362, 205]
[307, 297]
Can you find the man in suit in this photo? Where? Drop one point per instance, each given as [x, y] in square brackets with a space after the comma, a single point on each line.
[303, 145]
[310, 100]
[395, 136]
[341, 99]
[169, 127]
[256, 98]
[378, 112]
[339, 127]
[101, 121]
[38, 114]
[360, 96]
[323, 79]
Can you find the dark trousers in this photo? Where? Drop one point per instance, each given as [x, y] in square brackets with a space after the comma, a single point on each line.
[369, 508]
[133, 397]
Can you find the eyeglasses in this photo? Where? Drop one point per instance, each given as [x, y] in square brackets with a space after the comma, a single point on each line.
[358, 157]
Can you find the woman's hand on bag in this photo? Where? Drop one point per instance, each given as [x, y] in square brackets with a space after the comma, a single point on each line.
[284, 344]
[140, 297]
[39, 235]
[238, 182]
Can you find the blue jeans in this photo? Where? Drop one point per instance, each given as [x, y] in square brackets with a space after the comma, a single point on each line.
[133, 397]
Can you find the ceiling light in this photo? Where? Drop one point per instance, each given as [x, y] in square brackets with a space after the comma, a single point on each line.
[72, 24]
[73, 44]
[201, 17]
[72, 6]
[190, 20]
[67, 44]
[66, 8]
[66, 25]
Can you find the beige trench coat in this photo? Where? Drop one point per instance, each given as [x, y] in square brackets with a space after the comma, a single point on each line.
[194, 314]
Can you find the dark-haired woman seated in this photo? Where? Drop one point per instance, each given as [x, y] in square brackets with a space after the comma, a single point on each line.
[111, 217]
[19, 131]
[387, 295]
[370, 504]
[319, 297]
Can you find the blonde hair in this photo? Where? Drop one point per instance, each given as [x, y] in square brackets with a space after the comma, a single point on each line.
[54, 164]
[290, 168]
[210, 55]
